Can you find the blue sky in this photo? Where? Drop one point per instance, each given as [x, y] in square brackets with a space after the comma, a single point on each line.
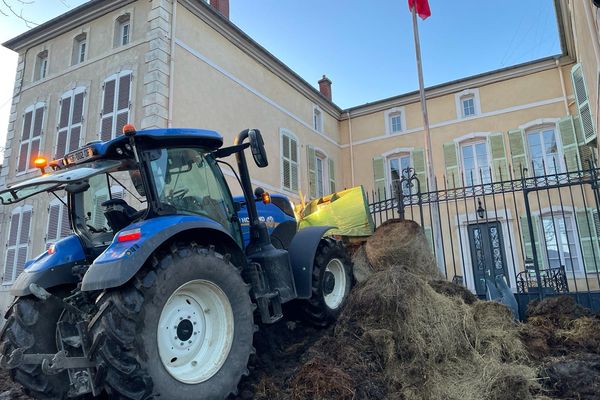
[365, 47]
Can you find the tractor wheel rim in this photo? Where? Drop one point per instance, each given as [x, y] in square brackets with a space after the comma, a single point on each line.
[195, 331]
[336, 296]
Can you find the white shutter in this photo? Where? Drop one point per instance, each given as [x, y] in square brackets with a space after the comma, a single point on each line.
[53, 223]
[123, 102]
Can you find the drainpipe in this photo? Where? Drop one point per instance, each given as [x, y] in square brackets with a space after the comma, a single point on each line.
[351, 148]
[562, 85]
[172, 65]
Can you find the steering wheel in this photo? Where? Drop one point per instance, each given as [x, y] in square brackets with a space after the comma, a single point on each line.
[93, 229]
[179, 193]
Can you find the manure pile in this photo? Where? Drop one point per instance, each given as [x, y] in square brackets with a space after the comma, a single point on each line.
[408, 334]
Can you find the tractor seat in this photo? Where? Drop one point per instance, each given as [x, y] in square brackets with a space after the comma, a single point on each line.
[119, 214]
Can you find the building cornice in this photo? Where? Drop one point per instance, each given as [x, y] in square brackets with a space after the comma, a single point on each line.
[459, 85]
[70, 20]
[245, 43]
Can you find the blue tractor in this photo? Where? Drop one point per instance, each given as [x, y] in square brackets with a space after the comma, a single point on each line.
[162, 299]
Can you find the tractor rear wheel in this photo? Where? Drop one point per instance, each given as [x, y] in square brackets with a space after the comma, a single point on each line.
[182, 328]
[331, 283]
[30, 325]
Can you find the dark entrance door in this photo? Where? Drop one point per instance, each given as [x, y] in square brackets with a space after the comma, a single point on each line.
[487, 253]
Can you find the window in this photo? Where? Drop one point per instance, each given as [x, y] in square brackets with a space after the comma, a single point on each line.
[32, 136]
[17, 244]
[560, 241]
[79, 49]
[467, 103]
[289, 161]
[394, 120]
[544, 155]
[58, 222]
[398, 169]
[116, 104]
[41, 66]
[317, 119]
[122, 30]
[475, 163]
[70, 121]
[468, 106]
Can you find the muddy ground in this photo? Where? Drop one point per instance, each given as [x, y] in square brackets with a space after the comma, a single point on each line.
[563, 341]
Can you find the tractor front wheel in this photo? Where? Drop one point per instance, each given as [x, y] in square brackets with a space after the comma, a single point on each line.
[182, 328]
[331, 283]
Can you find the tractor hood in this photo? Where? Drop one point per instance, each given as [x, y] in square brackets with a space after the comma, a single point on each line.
[55, 180]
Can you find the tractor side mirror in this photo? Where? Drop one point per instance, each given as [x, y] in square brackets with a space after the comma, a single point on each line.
[257, 145]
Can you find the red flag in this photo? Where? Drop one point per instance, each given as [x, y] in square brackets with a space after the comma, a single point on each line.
[422, 7]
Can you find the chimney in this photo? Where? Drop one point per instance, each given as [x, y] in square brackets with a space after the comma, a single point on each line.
[325, 87]
[221, 6]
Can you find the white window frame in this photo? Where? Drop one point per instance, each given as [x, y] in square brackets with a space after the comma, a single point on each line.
[388, 170]
[32, 108]
[19, 210]
[117, 78]
[537, 130]
[465, 94]
[40, 70]
[80, 48]
[123, 21]
[70, 126]
[477, 177]
[566, 215]
[317, 121]
[391, 113]
[291, 136]
[62, 210]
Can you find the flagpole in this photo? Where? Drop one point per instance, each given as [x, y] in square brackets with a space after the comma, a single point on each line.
[435, 223]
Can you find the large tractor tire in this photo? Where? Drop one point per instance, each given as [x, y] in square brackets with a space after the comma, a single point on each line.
[181, 329]
[31, 325]
[331, 283]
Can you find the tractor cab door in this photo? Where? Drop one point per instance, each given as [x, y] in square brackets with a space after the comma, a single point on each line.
[188, 181]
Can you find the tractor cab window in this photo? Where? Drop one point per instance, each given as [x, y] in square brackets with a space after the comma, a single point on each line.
[188, 181]
[107, 207]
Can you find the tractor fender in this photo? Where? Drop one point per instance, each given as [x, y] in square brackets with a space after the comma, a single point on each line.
[122, 260]
[50, 270]
[302, 251]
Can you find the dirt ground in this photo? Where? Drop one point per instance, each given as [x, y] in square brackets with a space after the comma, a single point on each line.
[406, 334]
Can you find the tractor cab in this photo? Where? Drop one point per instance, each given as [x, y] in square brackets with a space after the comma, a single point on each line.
[108, 190]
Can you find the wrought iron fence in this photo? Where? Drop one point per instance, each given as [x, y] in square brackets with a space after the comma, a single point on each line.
[540, 233]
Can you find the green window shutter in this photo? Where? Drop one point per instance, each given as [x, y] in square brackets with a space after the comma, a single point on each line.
[331, 176]
[586, 152]
[583, 104]
[527, 242]
[518, 151]
[418, 161]
[453, 178]
[499, 162]
[588, 236]
[429, 235]
[570, 145]
[379, 176]
[312, 170]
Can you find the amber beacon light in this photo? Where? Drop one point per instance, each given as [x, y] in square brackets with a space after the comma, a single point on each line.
[41, 163]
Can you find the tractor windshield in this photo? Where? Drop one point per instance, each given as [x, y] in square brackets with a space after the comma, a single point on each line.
[189, 181]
